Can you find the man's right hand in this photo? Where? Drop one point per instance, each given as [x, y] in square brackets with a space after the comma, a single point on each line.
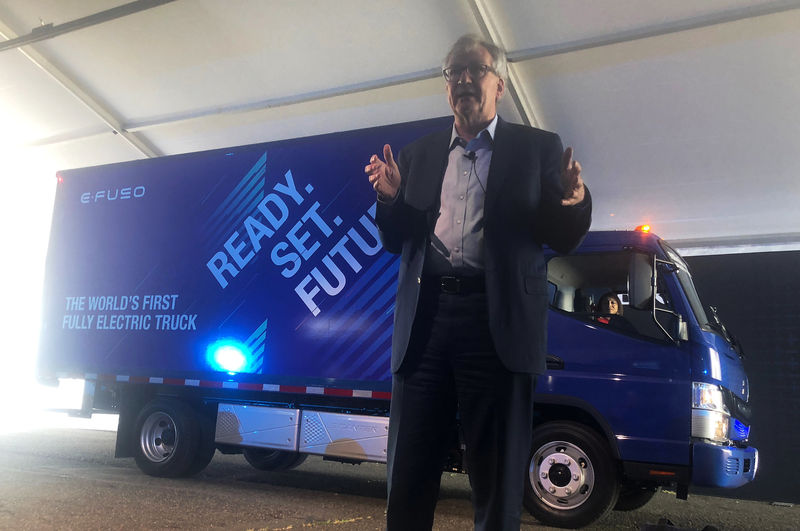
[384, 176]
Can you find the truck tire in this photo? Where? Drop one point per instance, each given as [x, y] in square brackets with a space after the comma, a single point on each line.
[271, 460]
[632, 497]
[572, 480]
[171, 439]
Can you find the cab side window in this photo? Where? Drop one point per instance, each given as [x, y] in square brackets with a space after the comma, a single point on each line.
[594, 288]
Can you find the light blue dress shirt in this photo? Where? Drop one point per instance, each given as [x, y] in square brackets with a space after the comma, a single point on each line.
[458, 234]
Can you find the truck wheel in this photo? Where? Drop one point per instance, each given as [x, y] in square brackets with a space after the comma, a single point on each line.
[266, 459]
[571, 480]
[632, 497]
[170, 440]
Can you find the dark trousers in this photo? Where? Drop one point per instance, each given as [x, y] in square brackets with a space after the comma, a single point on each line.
[451, 367]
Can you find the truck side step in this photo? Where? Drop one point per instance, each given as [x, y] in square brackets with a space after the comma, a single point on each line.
[354, 438]
[260, 427]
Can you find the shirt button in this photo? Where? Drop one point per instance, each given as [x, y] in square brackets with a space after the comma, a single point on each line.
[461, 197]
[465, 172]
[456, 249]
[458, 222]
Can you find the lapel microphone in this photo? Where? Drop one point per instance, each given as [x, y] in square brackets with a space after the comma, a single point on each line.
[472, 156]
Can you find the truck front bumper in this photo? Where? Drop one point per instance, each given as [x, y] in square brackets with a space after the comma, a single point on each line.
[723, 466]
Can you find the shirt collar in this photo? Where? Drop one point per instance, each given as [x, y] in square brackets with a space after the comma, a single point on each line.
[456, 140]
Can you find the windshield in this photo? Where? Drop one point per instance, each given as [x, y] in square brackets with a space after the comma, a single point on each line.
[685, 278]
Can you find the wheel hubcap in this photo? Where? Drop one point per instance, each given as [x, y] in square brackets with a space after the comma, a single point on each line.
[158, 437]
[561, 474]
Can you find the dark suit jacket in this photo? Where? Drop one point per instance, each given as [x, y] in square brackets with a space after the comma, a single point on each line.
[522, 211]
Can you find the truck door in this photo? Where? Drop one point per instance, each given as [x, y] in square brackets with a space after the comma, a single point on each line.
[621, 363]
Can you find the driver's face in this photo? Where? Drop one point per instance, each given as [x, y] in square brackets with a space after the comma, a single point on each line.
[611, 306]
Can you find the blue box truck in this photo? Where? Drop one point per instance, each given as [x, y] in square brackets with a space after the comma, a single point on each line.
[238, 300]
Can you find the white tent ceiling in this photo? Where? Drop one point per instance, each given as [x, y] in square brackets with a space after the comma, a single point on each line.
[684, 114]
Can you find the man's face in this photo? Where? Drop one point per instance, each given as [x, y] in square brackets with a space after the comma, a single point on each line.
[474, 100]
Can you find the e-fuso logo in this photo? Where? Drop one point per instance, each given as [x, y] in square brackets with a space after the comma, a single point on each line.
[113, 194]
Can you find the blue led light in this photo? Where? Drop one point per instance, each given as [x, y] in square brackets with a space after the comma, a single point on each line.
[739, 431]
[228, 355]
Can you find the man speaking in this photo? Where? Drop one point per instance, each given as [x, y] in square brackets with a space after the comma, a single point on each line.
[469, 209]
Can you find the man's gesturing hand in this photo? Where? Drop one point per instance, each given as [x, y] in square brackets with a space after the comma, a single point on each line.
[384, 176]
[571, 180]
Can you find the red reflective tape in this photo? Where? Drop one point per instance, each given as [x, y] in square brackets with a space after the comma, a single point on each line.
[292, 389]
[247, 386]
[662, 473]
[338, 392]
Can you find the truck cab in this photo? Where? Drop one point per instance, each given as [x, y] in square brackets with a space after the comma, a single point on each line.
[653, 395]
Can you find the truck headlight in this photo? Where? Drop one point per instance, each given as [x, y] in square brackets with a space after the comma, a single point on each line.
[710, 416]
[708, 396]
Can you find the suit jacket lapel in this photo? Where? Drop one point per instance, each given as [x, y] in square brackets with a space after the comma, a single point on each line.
[499, 167]
[425, 191]
[441, 149]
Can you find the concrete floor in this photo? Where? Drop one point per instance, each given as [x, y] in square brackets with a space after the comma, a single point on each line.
[67, 478]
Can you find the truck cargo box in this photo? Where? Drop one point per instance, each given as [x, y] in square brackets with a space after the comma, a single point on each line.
[256, 266]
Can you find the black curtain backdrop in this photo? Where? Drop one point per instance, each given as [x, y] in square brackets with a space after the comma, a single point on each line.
[757, 296]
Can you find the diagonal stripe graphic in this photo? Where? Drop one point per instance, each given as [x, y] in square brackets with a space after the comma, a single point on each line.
[244, 205]
[258, 336]
[371, 314]
[261, 164]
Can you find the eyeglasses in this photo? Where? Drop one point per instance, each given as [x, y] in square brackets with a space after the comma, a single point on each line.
[476, 71]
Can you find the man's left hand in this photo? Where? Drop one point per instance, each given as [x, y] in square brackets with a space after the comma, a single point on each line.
[571, 180]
